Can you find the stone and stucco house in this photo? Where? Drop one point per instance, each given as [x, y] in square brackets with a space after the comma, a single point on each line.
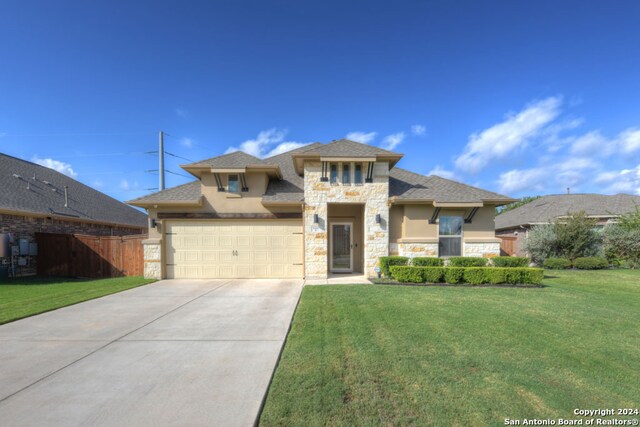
[35, 199]
[515, 224]
[317, 210]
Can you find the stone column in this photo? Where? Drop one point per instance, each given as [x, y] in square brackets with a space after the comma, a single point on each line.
[152, 259]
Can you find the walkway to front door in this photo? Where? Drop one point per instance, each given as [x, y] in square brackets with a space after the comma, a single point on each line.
[176, 352]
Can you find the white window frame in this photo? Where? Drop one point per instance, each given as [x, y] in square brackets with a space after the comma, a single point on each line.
[237, 183]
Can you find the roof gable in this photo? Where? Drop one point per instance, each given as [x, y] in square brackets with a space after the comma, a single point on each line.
[547, 208]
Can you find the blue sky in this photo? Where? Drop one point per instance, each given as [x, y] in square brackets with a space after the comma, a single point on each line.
[518, 97]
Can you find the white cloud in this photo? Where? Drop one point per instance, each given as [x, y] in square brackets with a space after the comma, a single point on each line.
[390, 142]
[186, 142]
[518, 180]
[363, 137]
[442, 172]
[630, 140]
[124, 184]
[624, 181]
[268, 143]
[418, 130]
[512, 134]
[56, 165]
[558, 176]
[591, 143]
[181, 112]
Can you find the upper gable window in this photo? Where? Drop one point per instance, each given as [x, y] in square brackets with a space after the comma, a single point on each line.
[357, 173]
[232, 186]
[346, 173]
[333, 177]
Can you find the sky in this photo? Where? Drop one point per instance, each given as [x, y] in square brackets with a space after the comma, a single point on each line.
[518, 97]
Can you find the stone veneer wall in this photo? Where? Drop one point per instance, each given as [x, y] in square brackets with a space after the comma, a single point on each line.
[318, 194]
[26, 227]
[415, 249]
[152, 258]
[482, 249]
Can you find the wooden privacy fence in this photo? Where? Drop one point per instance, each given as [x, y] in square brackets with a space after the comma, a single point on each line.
[507, 245]
[76, 255]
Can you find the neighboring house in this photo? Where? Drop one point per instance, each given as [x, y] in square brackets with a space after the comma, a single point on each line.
[515, 224]
[34, 199]
[310, 212]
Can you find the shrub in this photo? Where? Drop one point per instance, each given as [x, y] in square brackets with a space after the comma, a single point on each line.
[591, 263]
[511, 261]
[622, 242]
[541, 243]
[556, 263]
[433, 274]
[407, 274]
[494, 275]
[533, 276]
[427, 262]
[467, 261]
[513, 276]
[388, 261]
[453, 275]
[474, 275]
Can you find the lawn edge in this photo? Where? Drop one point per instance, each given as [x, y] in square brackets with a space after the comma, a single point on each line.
[74, 303]
[256, 423]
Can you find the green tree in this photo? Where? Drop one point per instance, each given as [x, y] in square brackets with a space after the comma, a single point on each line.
[622, 240]
[517, 204]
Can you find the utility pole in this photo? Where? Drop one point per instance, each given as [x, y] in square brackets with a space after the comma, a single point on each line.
[161, 166]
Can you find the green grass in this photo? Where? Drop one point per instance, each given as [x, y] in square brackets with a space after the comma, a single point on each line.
[25, 297]
[402, 355]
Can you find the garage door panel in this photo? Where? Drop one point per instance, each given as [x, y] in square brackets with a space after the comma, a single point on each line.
[234, 249]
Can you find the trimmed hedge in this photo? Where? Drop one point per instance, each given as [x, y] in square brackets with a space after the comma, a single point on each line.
[427, 262]
[388, 261]
[556, 263]
[470, 275]
[590, 263]
[510, 261]
[467, 261]
[453, 275]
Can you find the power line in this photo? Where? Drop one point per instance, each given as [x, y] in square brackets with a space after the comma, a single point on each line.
[37, 135]
[179, 157]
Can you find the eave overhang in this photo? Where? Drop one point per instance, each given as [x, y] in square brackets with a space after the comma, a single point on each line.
[299, 159]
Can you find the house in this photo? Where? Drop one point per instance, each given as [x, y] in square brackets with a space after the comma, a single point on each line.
[313, 211]
[35, 199]
[515, 224]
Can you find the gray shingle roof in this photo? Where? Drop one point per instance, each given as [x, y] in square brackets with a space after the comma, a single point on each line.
[348, 148]
[404, 184]
[182, 193]
[45, 195]
[235, 160]
[550, 207]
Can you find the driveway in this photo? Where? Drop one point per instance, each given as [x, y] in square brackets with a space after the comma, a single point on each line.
[176, 352]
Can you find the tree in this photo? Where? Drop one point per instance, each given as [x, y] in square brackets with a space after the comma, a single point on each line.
[568, 237]
[622, 240]
[512, 206]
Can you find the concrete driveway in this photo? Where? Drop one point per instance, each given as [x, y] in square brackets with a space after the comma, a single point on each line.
[176, 352]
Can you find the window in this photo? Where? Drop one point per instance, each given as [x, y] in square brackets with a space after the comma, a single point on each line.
[450, 231]
[333, 178]
[346, 173]
[357, 173]
[233, 184]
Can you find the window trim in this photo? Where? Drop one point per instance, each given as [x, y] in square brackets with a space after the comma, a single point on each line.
[331, 179]
[361, 181]
[348, 165]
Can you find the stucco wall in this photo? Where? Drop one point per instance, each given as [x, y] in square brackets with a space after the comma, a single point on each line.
[318, 194]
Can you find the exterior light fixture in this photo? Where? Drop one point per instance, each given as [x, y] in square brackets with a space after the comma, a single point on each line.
[316, 219]
[378, 219]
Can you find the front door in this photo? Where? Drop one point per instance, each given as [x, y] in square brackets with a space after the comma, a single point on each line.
[341, 247]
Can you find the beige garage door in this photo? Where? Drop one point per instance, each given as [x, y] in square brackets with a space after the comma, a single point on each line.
[233, 249]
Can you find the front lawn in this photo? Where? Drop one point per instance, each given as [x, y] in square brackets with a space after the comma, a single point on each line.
[403, 355]
[25, 297]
